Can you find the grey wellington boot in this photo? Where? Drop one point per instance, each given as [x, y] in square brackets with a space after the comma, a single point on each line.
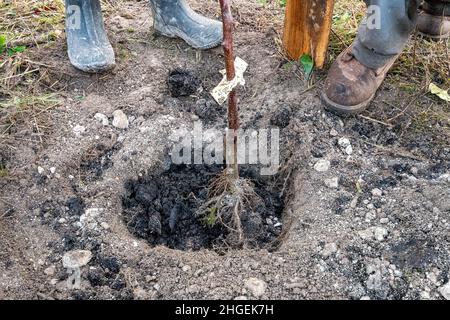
[88, 46]
[174, 18]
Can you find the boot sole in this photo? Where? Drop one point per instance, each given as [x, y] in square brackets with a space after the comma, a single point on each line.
[176, 33]
[345, 110]
[94, 68]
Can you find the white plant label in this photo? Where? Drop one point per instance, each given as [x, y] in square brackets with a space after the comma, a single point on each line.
[221, 92]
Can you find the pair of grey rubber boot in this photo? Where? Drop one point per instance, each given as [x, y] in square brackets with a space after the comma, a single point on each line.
[90, 50]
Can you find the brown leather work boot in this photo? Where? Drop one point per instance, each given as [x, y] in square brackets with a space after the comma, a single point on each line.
[433, 26]
[350, 85]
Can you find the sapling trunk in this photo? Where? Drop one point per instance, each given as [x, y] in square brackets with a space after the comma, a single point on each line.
[233, 115]
[229, 196]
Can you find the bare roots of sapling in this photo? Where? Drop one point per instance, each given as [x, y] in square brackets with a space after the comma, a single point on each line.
[229, 199]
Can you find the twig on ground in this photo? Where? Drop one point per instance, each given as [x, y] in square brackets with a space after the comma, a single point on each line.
[5, 214]
[408, 105]
[390, 126]
[35, 40]
[398, 152]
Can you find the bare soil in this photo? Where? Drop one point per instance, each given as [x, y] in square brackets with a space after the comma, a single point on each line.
[381, 233]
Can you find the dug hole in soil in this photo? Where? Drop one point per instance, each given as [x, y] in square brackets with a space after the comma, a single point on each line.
[164, 210]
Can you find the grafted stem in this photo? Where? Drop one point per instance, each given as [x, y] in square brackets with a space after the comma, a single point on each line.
[233, 115]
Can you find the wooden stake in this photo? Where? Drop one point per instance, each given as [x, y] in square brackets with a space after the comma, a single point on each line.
[307, 29]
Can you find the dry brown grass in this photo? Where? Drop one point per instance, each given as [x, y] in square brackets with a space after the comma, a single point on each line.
[27, 88]
[23, 101]
[30, 19]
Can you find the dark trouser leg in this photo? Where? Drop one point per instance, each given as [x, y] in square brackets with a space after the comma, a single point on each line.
[434, 20]
[437, 7]
[385, 31]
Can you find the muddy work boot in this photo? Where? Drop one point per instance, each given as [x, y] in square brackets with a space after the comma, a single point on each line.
[358, 72]
[174, 18]
[350, 85]
[434, 20]
[88, 46]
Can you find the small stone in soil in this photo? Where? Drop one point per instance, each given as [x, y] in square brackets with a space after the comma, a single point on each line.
[76, 259]
[120, 119]
[256, 286]
[445, 177]
[332, 183]
[333, 133]
[62, 220]
[50, 271]
[186, 268]
[102, 118]
[380, 233]
[376, 192]
[79, 130]
[445, 291]
[277, 225]
[329, 249]
[366, 234]
[104, 225]
[345, 145]
[322, 165]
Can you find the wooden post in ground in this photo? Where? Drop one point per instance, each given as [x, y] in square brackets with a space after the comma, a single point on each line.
[307, 29]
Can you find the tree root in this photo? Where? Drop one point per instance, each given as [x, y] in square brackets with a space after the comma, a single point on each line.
[228, 198]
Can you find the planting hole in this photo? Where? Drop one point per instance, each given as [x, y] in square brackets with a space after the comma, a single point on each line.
[163, 209]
